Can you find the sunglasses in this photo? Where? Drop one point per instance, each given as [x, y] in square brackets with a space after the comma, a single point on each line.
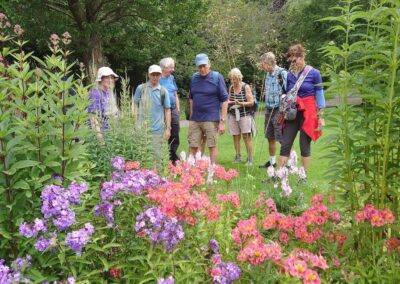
[292, 61]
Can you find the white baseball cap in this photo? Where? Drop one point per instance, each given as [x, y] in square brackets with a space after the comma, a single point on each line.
[155, 69]
[105, 71]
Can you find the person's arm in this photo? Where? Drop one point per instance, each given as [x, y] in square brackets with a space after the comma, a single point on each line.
[320, 99]
[249, 97]
[96, 127]
[177, 102]
[167, 115]
[229, 96]
[223, 98]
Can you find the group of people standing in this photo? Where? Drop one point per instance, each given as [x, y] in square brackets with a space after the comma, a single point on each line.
[212, 105]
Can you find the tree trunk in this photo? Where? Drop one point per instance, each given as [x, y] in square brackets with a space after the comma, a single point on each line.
[93, 57]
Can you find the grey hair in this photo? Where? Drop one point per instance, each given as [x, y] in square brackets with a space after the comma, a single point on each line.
[165, 62]
[268, 57]
[235, 73]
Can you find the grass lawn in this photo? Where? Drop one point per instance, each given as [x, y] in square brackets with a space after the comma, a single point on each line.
[249, 183]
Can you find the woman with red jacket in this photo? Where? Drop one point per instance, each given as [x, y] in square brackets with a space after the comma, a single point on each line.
[310, 102]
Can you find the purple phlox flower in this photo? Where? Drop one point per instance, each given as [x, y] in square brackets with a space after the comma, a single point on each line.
[105, 210]
[71, 280]
[27, 230]
[213, 245]
[40, 225]
[77, 240]
[169, 280]
[54, 199]
[159, 227]
[42, 244]
[57, 177]
[225, 272]
[13, 273]
[21, 263]
[118, 163]
[109, 189]
[75, 190]
[65, 219]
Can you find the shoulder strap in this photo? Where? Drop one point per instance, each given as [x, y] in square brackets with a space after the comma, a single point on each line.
[280, 80]
[162, 95]
[301, 79]
[215, 77]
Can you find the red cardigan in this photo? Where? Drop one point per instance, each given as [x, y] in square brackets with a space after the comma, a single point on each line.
[310, 123]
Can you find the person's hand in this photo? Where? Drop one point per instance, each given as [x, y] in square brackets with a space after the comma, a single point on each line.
[167, 133]
[221, 127]
[321, 124]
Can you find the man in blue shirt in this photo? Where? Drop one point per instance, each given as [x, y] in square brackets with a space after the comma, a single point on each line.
[152, 105]
[208, 102]
[275, 85]
[167, 80]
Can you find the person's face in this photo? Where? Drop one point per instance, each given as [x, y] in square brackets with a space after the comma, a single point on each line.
[296, 62]
[170, 69]
[235, 80]
[155, 78]
[107, 81]
[268, 67]
[204, 69]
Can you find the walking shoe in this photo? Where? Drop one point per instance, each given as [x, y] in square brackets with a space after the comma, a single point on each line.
[267, 165]
[249, 162]
[273, 179]
[302, 181]
[237, 159]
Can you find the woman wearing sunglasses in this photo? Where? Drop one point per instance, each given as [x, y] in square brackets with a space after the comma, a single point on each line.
[310, 102]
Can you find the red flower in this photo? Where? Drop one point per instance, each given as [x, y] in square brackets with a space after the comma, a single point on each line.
[114, 272]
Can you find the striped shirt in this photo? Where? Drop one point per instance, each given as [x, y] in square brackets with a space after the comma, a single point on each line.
[241, 97]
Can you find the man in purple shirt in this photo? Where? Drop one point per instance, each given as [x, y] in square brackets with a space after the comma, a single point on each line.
[208, 102]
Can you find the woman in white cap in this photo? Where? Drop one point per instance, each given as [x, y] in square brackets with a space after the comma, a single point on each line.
[102, 101]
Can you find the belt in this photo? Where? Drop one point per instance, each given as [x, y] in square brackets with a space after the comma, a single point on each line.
[274, 108]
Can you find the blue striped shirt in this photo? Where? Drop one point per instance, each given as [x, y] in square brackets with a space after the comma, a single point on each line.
[272, 88]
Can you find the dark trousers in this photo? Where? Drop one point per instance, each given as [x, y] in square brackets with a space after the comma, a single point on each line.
[289, 135]
[173, 141]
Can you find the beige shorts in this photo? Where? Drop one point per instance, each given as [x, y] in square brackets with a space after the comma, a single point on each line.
[197, 129]
[243, 126]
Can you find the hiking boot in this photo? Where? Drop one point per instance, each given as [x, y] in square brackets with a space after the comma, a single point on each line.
[267, 165]
[237, 159]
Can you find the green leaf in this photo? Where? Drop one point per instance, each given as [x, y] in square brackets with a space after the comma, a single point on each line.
[21, 184]
[24, 164]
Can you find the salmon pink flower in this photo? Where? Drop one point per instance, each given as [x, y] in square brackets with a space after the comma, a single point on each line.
[311, 277]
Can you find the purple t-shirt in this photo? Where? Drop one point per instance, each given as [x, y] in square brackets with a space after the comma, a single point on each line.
[308, 88]
[207, 94]
[99, 102]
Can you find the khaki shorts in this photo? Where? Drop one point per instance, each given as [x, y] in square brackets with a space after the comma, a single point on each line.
[197, 129]
[243, 126]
